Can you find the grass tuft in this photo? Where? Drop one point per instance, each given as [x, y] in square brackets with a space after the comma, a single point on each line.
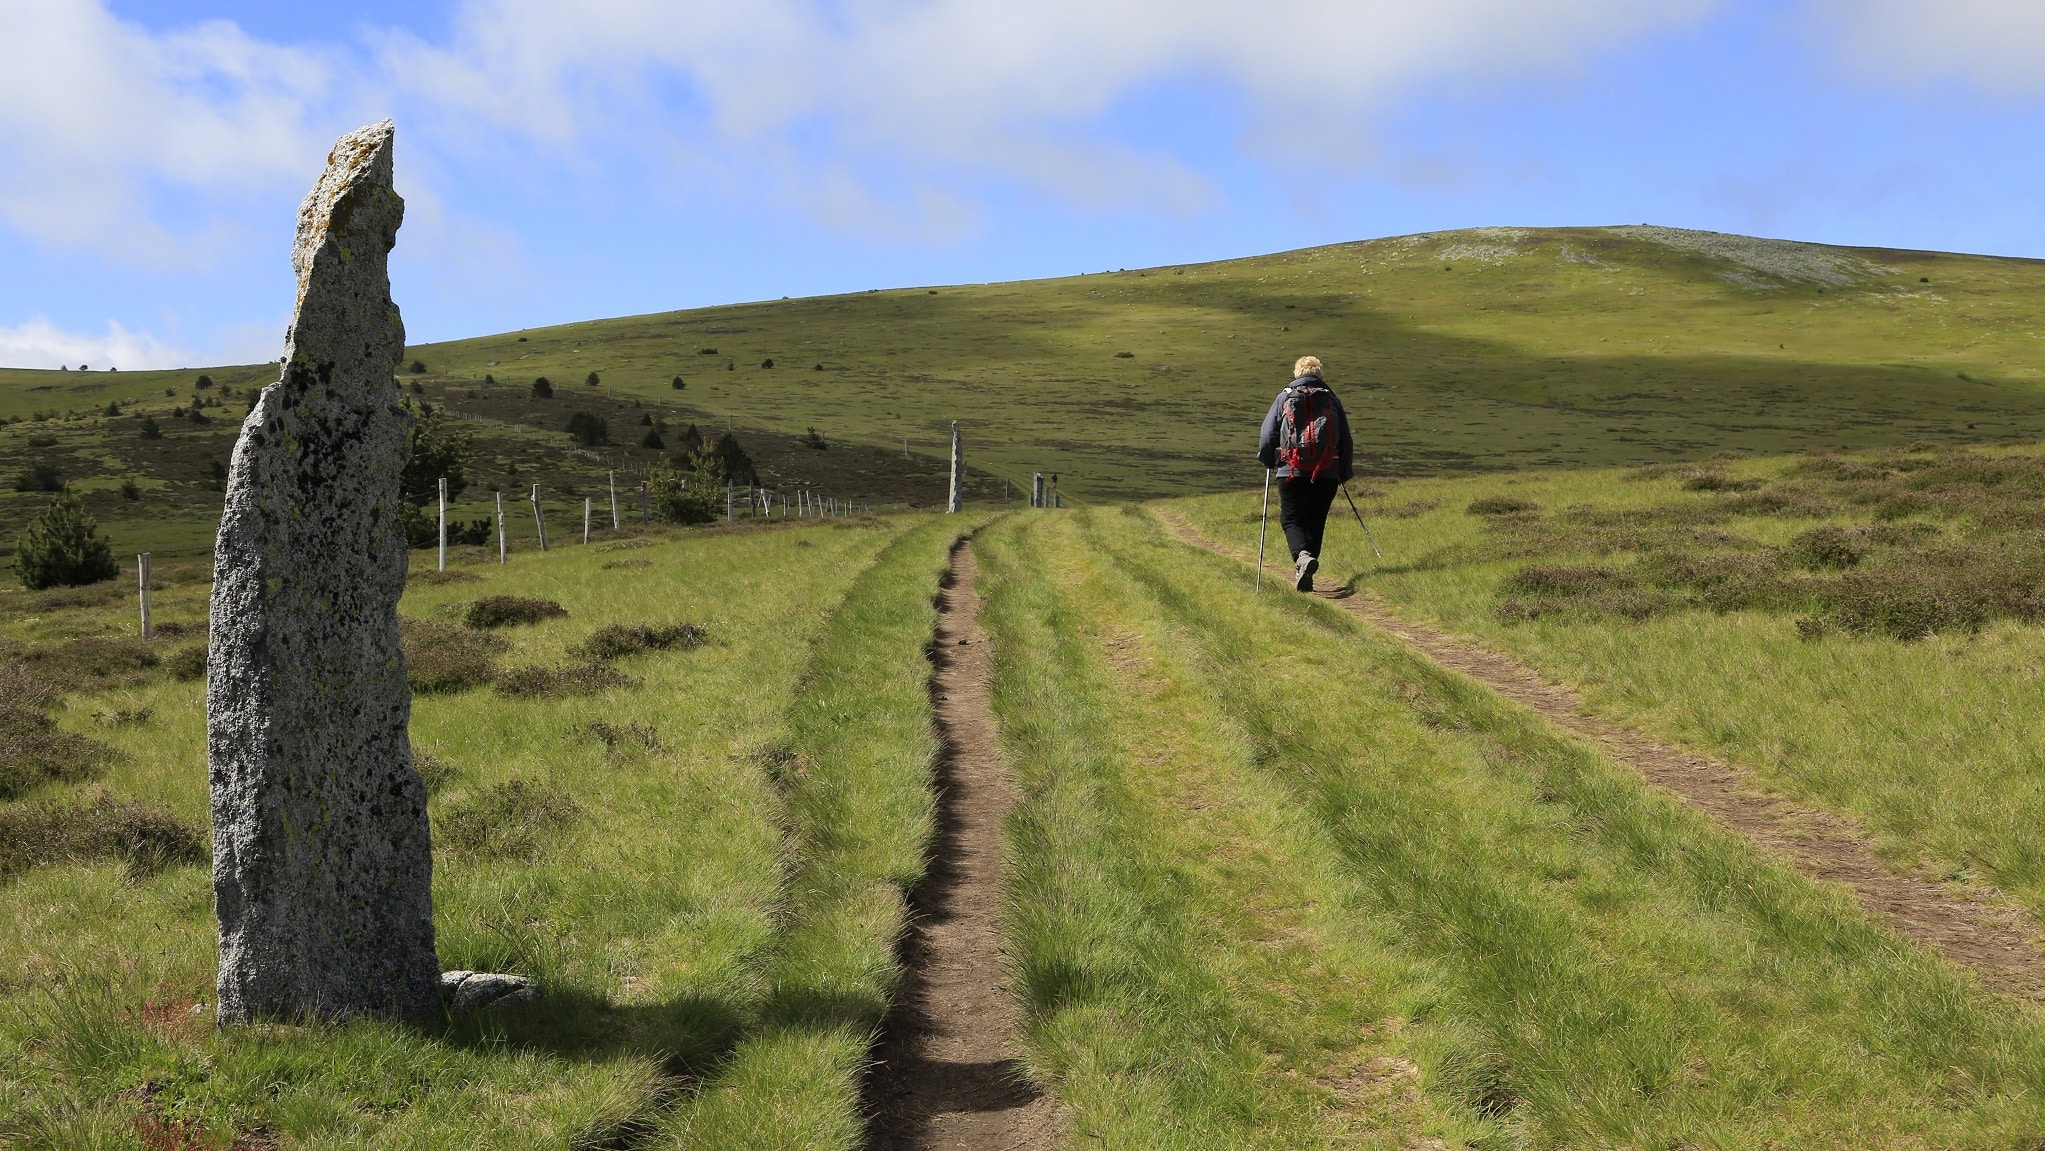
[511, 820]
[1502, 506]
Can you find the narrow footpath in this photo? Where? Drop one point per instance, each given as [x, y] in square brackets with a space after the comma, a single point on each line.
[947, 1071]
[1998, 942]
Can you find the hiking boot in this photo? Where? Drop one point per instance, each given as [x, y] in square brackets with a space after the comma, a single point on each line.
[1306, 565]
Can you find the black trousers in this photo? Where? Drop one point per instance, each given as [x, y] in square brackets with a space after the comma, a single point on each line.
[1303, 512]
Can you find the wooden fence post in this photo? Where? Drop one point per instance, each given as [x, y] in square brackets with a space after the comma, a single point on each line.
[587, 505]
[142, 570]
[443, 523]
[645, 506]
[539, 520]
[501, 548]
[956, 501]
[615, 523]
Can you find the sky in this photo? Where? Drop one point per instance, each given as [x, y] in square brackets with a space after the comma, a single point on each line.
[563, 161]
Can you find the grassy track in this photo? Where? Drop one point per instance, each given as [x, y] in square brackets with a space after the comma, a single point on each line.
[1930, 744]
[855, 773]
[1573, 959]
[698, 901]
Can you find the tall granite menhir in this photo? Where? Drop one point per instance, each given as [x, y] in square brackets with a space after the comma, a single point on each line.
[322, 867]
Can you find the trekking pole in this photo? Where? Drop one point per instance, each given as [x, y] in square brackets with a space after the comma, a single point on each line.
[1263, 524]
[1359, 521]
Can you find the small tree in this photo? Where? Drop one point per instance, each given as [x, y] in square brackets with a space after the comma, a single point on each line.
[682, 497]
[814, 439]
[766, 363]
[63, 546]
[592, 381]
[437, 451]
[130, 490]
[542, 390]
[418, 367]
[216, 474]
[39, 477]
[150, 431]
[589, 430]
[677, 384]
[652, 439]
[113, 408]
[202, 383]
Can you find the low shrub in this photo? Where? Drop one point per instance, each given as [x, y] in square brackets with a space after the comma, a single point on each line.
[567, 679]
[442, 657]
[186, 664]
[39, 477]
[509, 610]
[35, 751]
[1502, 506]
[513, 819]
[145, 839]
[1825, 548]
[1537, 591]
[1718, 482]
[588, 429]
[620, 639]
[451, 575]
[93, 663]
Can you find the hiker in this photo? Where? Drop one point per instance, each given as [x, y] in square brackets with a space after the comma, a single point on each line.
[1306, 437]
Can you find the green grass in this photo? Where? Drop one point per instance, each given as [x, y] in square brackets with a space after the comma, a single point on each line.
[1569, 957]
[683, 923]
[855, 774]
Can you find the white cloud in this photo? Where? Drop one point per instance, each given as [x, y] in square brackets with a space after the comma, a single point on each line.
[99, 117]
[39, 343]
[988, 87]
[1996, 43]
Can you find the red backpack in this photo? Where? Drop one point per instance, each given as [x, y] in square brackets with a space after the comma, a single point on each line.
[1307, 438]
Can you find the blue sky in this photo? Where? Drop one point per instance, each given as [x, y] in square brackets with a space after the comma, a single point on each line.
[567, 161]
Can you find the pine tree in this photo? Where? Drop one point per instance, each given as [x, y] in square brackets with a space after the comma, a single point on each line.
[63, 546]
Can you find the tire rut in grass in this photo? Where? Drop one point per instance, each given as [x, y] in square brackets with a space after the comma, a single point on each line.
[1992, 939]
[948, 1071]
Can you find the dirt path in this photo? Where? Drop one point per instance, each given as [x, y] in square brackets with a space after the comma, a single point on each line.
[947, 1073]
[1997, 942]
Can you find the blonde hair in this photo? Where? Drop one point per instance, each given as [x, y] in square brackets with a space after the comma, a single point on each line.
[1306, 366]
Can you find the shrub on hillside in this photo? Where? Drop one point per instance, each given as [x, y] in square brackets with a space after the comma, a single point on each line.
[63, 546]
[568, 679]
[39, 477]
[1826, 548]
[33, 749]
[591, 381]
[1502, 506]
[682, 497]
[145, 839]
[508, 610]
[542, 389]
[443, 657]
[622, 639]
[588, 429]
[814, 439]
[187, 663]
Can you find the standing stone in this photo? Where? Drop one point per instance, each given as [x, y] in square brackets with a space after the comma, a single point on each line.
[322, 867]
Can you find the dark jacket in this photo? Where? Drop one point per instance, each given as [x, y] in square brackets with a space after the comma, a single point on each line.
[1274, 420]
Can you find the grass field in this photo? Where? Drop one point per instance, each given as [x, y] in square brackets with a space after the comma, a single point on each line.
[1275, 880]
[1479, 350]
[1289, 886]
[695, 856]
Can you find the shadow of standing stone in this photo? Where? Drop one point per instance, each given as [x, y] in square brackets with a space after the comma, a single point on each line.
[322, 866]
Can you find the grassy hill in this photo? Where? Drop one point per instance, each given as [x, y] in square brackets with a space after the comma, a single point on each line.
[1475, 350]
